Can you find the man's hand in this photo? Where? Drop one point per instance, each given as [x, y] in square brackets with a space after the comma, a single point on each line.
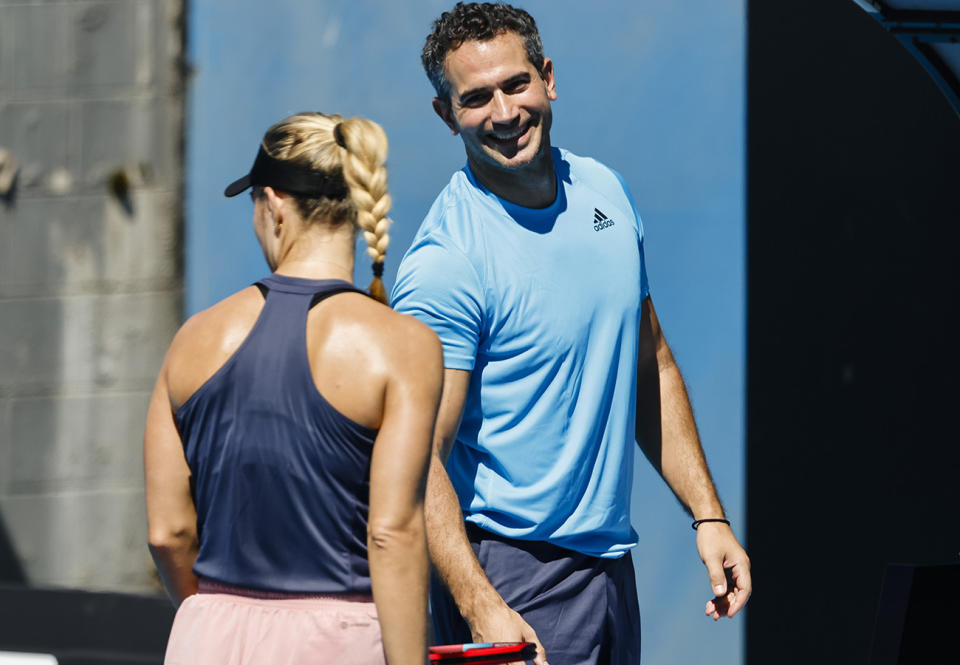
[502, 624]
[728, 566]
[489, 617]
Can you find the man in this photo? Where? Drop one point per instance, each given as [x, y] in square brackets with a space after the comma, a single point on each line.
[529, 266]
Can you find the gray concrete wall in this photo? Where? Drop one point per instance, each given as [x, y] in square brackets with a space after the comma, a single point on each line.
[91, 95]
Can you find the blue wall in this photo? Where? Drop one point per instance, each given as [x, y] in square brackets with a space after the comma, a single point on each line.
[654, 89]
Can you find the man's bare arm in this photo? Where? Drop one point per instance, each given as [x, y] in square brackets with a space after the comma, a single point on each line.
[489, 617]
[668, 436]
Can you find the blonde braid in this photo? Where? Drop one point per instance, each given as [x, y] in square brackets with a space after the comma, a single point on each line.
[364, 146]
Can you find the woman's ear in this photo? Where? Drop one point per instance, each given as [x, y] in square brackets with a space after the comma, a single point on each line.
[275, 204]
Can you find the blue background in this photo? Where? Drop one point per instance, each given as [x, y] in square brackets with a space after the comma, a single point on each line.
[654, 89]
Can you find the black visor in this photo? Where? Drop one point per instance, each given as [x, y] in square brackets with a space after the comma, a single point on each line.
[292, 178]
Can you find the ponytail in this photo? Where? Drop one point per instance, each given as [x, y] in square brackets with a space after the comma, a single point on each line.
[364, 144]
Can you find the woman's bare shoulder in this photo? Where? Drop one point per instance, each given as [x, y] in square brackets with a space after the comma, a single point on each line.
[393, 334]
[207, 339]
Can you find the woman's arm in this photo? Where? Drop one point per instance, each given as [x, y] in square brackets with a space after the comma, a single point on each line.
[171, 515]
[396, 536]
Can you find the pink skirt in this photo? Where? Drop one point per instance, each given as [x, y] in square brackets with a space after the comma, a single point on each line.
[231, 629]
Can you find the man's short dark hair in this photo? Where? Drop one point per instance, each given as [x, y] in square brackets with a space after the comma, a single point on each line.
[478, 21]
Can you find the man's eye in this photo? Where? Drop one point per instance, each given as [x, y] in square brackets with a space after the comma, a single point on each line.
[474, 101]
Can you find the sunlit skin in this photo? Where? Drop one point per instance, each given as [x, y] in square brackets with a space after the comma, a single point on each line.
[313, 247]
[264, 228]
[500, 107]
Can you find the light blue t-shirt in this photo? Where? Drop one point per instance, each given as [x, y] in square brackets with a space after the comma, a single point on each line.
[543, 305]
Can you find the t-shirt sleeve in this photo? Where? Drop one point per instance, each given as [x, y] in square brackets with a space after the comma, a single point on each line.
[644, 285]
[437, 284]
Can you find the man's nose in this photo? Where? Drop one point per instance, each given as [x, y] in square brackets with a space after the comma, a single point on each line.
[504, 110]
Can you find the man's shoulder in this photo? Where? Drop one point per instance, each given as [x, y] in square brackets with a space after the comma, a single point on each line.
[443, 237]
[455, 219]
[456, 203]
[587, 171]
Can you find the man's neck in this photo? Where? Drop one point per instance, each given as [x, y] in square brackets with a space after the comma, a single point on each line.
[533, 186]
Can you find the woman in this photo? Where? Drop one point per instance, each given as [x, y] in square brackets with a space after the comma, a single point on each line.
[286, 412]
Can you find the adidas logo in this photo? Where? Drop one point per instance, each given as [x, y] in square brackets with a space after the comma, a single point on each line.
[600, 221]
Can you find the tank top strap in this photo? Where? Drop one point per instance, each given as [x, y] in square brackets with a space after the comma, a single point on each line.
[279, 338]
[321, 289]
[301, 286]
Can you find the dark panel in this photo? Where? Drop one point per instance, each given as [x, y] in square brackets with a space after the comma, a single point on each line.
[916, 622]
[84, 628]
[929, 629]
[11, 572]
[853, 233]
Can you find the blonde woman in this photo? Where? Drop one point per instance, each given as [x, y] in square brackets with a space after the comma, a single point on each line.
[289, 432]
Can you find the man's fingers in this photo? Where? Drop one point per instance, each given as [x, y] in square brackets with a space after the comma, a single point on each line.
[718, 578]
[530, 635]
[728, 568]
[735, 605]
[717, 608]
[710, 608]
[743, 585]
[541, 657]
[502, 624]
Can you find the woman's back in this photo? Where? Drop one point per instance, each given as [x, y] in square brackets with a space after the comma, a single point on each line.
[351, 343]
[279, 473]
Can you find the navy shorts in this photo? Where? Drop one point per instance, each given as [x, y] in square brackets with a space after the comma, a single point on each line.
[584, 608]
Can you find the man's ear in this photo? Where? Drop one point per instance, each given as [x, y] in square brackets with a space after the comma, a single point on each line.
[442, 109]
[549, 79]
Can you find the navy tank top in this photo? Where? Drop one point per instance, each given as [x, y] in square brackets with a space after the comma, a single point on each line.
[280, 478]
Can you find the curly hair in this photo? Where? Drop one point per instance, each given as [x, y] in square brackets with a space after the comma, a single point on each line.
[478, 21]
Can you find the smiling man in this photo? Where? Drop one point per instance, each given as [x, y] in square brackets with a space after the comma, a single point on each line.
[530, 268]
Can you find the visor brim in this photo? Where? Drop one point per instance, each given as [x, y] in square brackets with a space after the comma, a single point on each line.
[237, 186]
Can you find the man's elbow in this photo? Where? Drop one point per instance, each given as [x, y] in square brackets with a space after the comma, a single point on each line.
[665, 360]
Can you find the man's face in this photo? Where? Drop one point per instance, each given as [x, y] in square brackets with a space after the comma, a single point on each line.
[499, 103]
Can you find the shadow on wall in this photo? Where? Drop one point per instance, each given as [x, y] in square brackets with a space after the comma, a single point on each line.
[11, 572]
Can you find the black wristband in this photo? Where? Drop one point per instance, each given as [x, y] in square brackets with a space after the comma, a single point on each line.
[697, 523]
